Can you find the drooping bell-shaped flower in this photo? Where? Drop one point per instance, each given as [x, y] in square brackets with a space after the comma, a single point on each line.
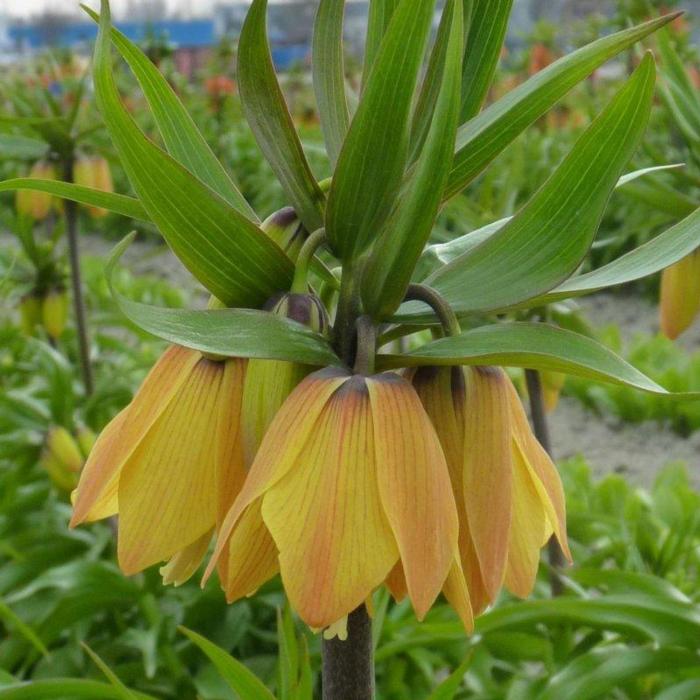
[349, 479]
[508, 493]
[680, 295]
[170, 464]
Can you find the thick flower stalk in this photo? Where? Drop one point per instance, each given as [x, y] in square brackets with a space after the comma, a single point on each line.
[169, 465]
[349, 480]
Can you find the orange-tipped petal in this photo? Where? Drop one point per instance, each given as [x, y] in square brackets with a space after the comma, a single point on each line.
[230, 467]
[530, 530]
[293, 427]
[325, 515]
[182, 565]
[95, 495]
[488, 470]
[542, 471]
[457, 593]
[250, 559]
[680, 295]
[396, 582]
[168, 486]
[415, 487]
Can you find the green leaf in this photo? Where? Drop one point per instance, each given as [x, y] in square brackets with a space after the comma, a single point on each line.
[548, 238]
[62, 688]
[685, 690]
[117, 203]
[487, 30]
[662, 197]
[449, 687]
[667, 248]
[482, 138]
[22, 147]
[329, 75]
[12, 621]
[238, 677]
[226, 332]
[372, 162]
[112, 677]
[599, 672]
[270, 121]
[380, 14]
[180, 134]
[638, 617]
[225, 251]
[530, 345]
[403, 237]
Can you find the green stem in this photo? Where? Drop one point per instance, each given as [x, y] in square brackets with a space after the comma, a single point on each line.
[346, 315]
[70, 210]
[300, 283]
[447, 317]
[366, 346]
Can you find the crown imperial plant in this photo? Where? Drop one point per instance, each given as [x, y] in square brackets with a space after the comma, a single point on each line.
[328, 418]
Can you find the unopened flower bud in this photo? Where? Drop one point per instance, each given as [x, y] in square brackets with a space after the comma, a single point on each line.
[36, 205]
[63, 447]
[29, 312]
[54, 312]
[285, 228]
[94, 172]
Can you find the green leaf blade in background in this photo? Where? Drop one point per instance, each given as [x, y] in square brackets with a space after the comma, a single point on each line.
[548, 238]
[180, 134]
[22, 147]
[63, 688]
[270, 121]
[487, 31]
[373, 158]
[329, 75]
[401, 241]
[116, 203]
[533, 346]
[482, 138]
[237, 676]
[224, 250]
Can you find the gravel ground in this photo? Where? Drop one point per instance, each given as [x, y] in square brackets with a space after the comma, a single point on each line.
[609, 445]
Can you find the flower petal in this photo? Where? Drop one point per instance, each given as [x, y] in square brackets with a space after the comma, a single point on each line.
[415, 487]
[325, 515]
[528, 533]
[182, 565]
[680, 295]
[95, 494]
[250, 559]
[488, 468]
[457, 593]
[168, 486]
[289, 432]
[542, 471]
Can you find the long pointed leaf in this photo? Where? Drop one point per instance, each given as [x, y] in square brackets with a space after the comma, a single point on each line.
[329, 75]
[482, 138]
[270, 121]
[546, 240]
[229, 255]
[393, 258]
[180, 134]
[237, 676]
[226, 332]
[117, 203]
[487, 30]
[380, 14]
[534, 346]
[22, 147]
[372, 161]
[660, 252]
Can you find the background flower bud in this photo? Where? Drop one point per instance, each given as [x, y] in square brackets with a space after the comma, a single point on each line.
[37, 205]
[94, 172]
[285, 228]
[54, 312]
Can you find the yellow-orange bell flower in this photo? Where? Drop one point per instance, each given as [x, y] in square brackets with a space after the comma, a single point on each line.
[350, 479]
[508, 493]
[170, 464]
[680, 295]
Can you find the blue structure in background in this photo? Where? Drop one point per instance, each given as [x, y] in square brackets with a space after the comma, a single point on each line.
[182, 34]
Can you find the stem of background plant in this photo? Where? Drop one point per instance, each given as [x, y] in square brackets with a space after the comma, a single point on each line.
[539, 424]
[70, 210]
[447, 317]
[348, 667]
